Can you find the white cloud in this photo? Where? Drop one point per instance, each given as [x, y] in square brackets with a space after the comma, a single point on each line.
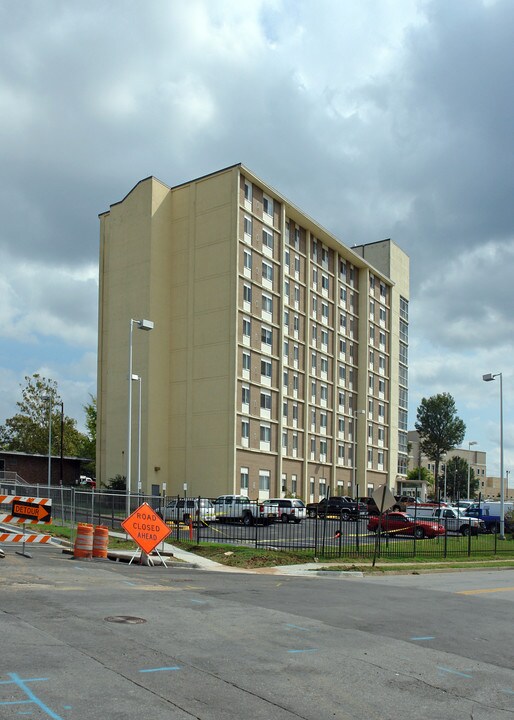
[389, 118]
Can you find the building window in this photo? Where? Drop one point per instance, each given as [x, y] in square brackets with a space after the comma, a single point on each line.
[267, 239]
[324, 282]
[245, 473]
[266, 368]
[248, 226]
[247, 294]
[247, 261]
[404, 354]
[294, 484]
[286, 379]
[382, 315]
[265, 433]
[267, 271]
[266, 336]
[264, 480]
[245, 428]
[284, 441]
[404, 331]
[296, 264]
[323, 420]
[247, 360]
[247, 327]
[340, 425]
[267, 205]
[245, 394]
[265, 400]
[267, 303]
[295, 441]
[324, 365]
[324, 392]
[324, 311]
[323, 449]
[248, 191]
[404, 309]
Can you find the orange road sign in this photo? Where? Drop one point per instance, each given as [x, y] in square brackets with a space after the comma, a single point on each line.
[33, 511]
[146, 528]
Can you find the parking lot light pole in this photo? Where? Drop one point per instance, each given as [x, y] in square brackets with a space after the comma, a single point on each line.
[488, 378]
[141, 325]
[48, 398]
[470, 443]
[354, 474]
[137, 378]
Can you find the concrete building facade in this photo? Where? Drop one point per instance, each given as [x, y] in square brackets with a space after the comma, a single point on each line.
[278, 362]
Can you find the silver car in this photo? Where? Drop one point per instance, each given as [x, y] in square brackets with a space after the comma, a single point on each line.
[184, 510]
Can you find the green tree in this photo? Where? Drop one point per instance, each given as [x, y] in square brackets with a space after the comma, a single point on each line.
[457, 478]
[118, 482]
[88, 449]
[421, 473]
[438, 426]
[28, 430]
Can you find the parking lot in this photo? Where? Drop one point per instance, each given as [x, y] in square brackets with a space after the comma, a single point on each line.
[91, 640]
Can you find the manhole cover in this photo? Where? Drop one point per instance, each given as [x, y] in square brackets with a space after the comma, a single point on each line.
[128, 619]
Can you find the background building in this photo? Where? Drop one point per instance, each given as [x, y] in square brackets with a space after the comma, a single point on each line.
[277, 350]
[476, 459]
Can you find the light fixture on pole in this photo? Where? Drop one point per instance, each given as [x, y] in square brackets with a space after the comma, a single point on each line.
[48, 399]
[141, 325]
[470, 443]
[354, 474]
[137, 378]
[488, 378]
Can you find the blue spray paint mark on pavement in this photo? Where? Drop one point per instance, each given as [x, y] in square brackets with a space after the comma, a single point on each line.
[454, 672]
[426, 637]
[161, 669]
[199, 602]
[307, 650]
[296, 627]
[32, 698]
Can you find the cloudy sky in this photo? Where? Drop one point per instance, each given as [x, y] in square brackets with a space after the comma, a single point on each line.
[380, 118]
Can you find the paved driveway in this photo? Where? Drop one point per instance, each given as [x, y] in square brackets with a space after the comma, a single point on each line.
[90, 640]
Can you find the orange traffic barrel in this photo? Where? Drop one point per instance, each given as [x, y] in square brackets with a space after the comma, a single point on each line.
[84, 541]
[100, 541]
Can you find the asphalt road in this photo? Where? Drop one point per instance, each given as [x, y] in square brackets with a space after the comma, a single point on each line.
[218, 645]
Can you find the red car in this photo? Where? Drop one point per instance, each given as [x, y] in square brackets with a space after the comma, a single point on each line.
[399, 523]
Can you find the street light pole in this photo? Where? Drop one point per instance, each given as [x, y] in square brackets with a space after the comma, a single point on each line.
[141, 325]
[137, 378]
[49, 398]
[488, 378]
[354, 475]
[61, 469]
[470, 443]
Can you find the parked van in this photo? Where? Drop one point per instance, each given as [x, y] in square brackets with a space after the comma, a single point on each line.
[489, 513]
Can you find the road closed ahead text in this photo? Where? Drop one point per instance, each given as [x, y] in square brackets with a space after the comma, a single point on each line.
[146, 528]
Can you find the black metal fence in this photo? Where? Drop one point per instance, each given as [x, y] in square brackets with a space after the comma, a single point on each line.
[191, 519]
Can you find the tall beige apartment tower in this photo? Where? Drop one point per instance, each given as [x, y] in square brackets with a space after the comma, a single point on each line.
[278, 360]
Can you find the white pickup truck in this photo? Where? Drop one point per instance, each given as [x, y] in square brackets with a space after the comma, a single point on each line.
[450, 517]
[239, 508]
